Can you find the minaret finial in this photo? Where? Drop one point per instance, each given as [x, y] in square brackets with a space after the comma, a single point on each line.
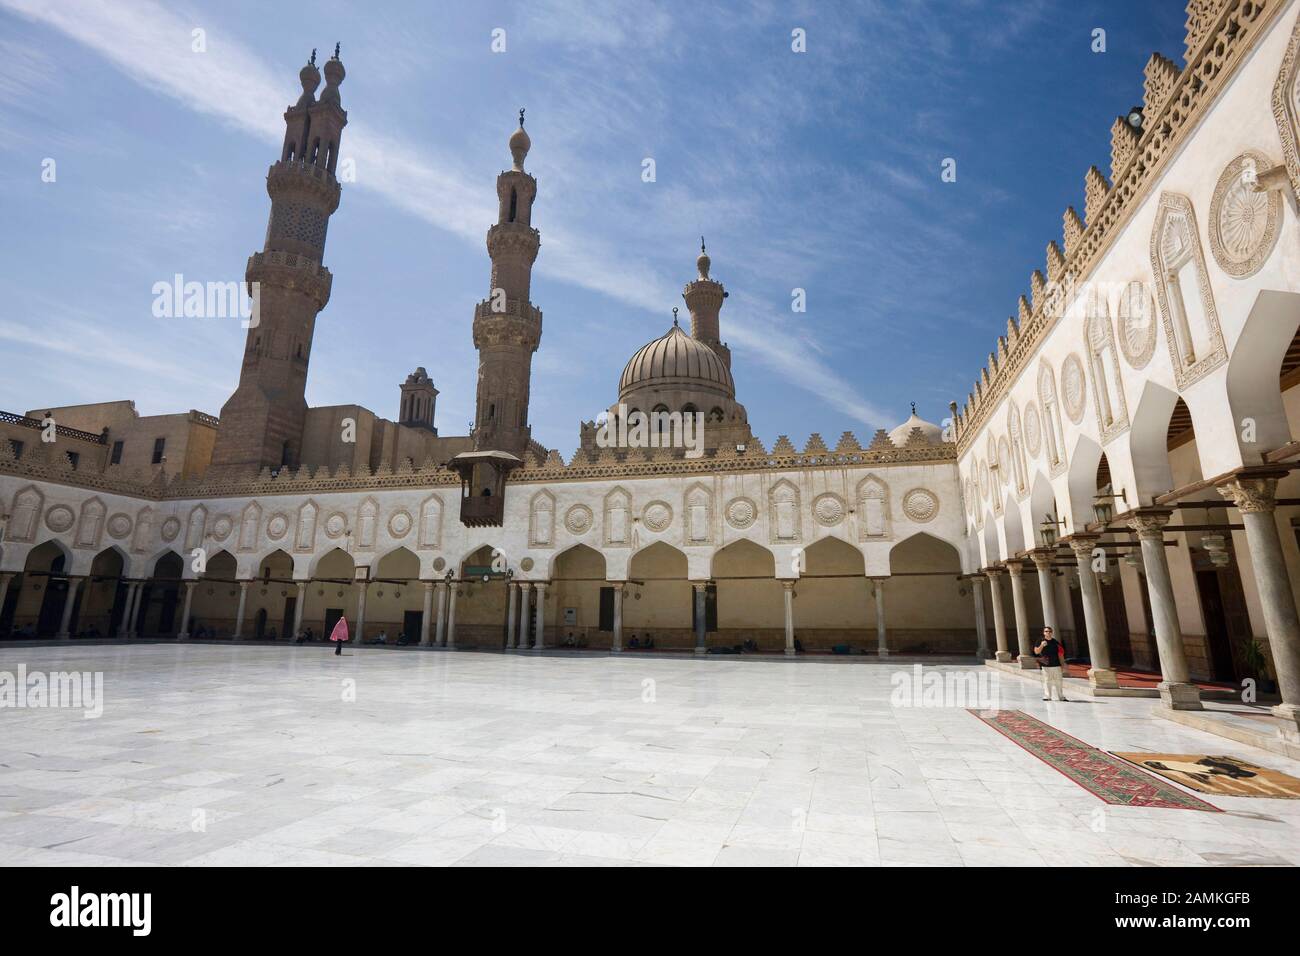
[312, 61]
[675, 317]
[701, 243]
[914, 408]
[521, 117]
[336, 51]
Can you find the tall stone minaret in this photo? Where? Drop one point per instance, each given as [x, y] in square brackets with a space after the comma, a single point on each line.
[704, 301]
[262, 422]
[507, 328]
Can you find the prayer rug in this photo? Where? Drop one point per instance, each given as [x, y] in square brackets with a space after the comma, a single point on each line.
[1109, 778]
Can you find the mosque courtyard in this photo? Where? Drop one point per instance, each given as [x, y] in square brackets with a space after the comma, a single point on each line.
[209, 754]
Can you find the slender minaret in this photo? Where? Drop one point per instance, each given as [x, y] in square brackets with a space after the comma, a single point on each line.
[262, 422]
[704, 301]
[507, 328]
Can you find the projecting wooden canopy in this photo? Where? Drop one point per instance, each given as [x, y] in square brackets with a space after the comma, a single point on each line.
[483, 485]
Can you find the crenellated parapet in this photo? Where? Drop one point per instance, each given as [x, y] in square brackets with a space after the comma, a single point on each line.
[1220, 36]
[540, 464]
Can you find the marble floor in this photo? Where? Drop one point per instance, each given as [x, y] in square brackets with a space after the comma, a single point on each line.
[209, 754]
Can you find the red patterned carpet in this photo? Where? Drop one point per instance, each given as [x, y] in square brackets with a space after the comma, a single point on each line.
[1127, 677]
[1111, 779]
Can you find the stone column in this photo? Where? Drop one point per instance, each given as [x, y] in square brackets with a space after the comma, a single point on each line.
[124, 624]
[427, 612]
[617, 646]
[184, 633]
[1176, 690]
[1100, 673]
[1025, 650]
[239, 613]
[440, 631]
[525, 590]
[1043, 558]
[298, 607]
[981, 629]
[65, 622]
[362, 588]
[882, 637]
[1254, 498]
[133, 628]
[999, 618]
[512, 635]
[701, 608]
[787, 589]
[451, 616]
[539, 638]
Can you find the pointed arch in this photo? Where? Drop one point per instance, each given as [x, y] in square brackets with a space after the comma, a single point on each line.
[742, 556]
[400, 563]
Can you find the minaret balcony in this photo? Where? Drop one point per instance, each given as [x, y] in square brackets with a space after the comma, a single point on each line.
[287, 270]
[299, 177]
[513, 239]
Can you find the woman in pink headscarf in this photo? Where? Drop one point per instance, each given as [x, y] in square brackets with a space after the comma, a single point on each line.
[339, 635]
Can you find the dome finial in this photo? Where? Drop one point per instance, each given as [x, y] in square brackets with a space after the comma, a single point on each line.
[675, 317]
[703, 262]
[520, 144]
[336, 50]
[312, 61]
[914, 408]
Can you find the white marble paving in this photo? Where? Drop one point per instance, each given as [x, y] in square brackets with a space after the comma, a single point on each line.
[228, 755]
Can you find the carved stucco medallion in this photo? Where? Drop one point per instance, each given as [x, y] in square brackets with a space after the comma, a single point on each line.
[1244, 223]
[921, 504]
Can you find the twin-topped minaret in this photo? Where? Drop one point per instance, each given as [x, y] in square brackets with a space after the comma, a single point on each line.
[262, 422]
[507, 327]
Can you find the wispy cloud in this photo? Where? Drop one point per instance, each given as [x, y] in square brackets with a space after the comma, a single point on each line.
[151, 44]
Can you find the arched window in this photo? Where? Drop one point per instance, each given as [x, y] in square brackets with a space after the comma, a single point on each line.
[1183, 289]
[1019, 467]
[1052, 431]
[514, 204]
[1103, 366]
[659, 420]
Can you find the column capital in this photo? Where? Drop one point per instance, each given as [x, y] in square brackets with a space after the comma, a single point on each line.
[427, 585]
[1149, 522]
[789, 583]
[699, 585]
[618, 585]
[525, 585]
[1083, 543]
[1042, 558]
[1015, 567]
[1250, 495]
[992, 571]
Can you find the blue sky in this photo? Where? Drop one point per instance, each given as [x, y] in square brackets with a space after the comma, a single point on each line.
[818, 170]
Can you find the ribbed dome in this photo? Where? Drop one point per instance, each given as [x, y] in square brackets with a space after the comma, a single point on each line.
[676, 359]
[930, 431]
